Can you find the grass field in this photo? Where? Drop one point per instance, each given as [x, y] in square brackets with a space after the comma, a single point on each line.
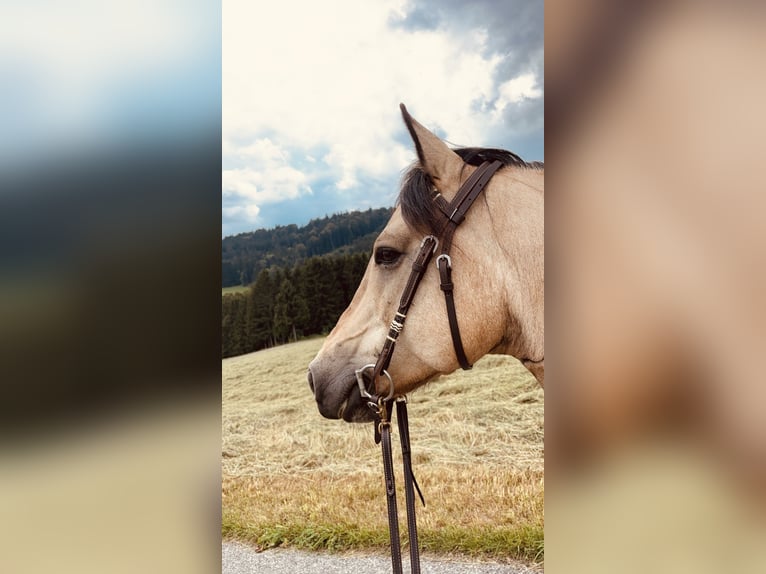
[291, 477]
[235, 289]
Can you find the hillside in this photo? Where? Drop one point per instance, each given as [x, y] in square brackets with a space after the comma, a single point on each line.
[245, 255]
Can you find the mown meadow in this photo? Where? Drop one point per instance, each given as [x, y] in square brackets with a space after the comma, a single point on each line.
[293, 478]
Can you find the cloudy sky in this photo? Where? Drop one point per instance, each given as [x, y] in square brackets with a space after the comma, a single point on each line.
[311, 123]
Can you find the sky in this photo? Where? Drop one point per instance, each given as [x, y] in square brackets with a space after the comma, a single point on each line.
[311, 90]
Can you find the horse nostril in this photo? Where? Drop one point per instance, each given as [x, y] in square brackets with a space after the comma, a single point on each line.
[311, 380]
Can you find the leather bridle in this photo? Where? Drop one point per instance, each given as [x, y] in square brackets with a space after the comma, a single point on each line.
[454, 212]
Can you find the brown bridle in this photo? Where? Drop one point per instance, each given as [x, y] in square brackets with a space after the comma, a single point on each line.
[454, 212]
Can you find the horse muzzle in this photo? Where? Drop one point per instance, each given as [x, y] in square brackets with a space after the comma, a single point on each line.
[337, 394]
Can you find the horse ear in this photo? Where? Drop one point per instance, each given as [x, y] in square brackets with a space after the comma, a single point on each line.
[439, 161]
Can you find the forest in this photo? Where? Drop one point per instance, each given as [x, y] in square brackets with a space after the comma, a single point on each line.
[285, 304]
[245, 255]
[299, 279]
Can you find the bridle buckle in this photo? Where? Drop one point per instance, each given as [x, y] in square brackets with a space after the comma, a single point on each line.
[446, 258]
[435, 240]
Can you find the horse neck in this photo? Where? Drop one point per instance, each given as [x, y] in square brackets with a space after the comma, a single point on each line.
[514, 213]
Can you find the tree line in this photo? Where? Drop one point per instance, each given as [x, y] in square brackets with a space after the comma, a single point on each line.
[287, 303]
[246, 255]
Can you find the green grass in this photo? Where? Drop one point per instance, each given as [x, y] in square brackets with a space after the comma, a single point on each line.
[293, 478]
[308, 536]
[234, 289]
[498, 543]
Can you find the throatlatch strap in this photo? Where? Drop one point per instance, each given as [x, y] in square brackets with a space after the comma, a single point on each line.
[445, 276]
[455, 212]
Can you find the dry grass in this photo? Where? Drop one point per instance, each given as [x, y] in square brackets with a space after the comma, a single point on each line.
[293, 477]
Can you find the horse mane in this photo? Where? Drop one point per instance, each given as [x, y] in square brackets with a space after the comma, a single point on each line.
[417, 192]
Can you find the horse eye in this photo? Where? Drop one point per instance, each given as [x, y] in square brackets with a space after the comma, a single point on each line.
[386, 256]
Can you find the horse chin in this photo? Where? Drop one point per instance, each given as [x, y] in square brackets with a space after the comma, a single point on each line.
[355, 408]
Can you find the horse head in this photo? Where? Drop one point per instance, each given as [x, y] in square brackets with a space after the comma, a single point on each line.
[497, 271]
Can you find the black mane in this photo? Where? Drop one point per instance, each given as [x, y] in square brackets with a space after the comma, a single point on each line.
[416, 196]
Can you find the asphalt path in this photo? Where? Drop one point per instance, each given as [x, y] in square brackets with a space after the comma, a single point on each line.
[239, 558]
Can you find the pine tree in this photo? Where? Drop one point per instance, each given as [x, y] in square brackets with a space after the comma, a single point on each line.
[290, 312]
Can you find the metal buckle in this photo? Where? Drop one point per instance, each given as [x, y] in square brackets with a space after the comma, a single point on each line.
[426, 238]
[446, 257]
[360, 381]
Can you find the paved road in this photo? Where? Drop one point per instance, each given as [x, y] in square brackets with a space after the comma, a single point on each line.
[241, 559]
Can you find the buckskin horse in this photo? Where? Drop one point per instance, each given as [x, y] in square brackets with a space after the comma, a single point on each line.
[491, 270]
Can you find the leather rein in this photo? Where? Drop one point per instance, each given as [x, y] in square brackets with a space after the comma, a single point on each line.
[382, 404]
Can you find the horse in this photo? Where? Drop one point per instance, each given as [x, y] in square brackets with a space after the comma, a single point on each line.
[497, 260]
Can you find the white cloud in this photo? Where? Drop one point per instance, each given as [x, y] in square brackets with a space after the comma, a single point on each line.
[314, 88]
[267, 177]
[332, 75]
[248, 213]
[522, 87]
[347, 160]
[265, 185]
[516, 90]
[262, 149]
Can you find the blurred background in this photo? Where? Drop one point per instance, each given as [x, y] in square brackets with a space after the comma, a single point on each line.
[655, 428]
[110, 142]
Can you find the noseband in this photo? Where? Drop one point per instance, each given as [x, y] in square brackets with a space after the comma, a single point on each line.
[381, 404]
